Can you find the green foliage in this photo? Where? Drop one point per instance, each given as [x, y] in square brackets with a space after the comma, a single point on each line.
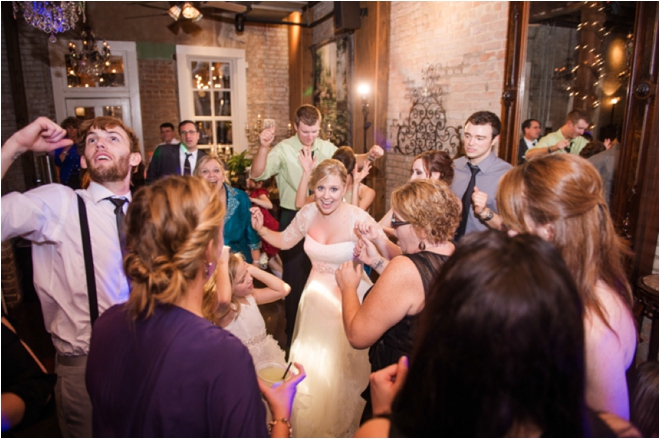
[237, 164]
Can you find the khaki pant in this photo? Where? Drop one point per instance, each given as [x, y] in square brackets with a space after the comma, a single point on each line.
[74, 408]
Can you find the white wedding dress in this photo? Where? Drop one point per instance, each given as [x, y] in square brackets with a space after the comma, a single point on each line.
[328, 401]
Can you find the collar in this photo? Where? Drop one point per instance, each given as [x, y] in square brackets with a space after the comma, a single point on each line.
[98, 192]
[184, 150]
[486, 163]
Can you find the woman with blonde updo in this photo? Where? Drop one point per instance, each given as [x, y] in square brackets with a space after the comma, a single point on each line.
[425, 215]
[156, 367]
[560, 198]
[328, 402]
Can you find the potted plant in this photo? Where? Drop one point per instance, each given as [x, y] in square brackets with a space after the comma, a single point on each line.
[236, 165]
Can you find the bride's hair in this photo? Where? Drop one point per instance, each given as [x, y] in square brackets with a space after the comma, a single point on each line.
[169, 226]
[328, 168]
[210, 299]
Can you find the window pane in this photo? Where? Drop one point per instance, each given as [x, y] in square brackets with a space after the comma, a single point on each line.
[114, 111]
[200, 75]
[202, 103]
[222, 103]
[221, 75]
[224, 132]
[85, 113]
[205, 133]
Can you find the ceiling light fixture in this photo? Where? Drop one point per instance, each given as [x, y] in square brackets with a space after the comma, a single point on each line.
[190, 12]
[174, 12]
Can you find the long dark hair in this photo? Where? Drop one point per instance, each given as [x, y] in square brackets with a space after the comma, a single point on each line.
[500, 345]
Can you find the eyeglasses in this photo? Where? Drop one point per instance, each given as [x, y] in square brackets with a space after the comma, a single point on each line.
[396, 224]
[183, 133]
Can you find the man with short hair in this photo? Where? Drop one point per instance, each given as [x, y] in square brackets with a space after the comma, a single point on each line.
[283, 160]
[49, 217]
[606, 162]
[177, 159]
[568, 139]
[531, 132]
[167, 134]
[477, 174]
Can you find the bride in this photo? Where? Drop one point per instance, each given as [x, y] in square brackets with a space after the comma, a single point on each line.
[328, 403]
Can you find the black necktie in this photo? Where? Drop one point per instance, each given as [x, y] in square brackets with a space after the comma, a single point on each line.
[121, 223]
[186, 165]
[467, 202]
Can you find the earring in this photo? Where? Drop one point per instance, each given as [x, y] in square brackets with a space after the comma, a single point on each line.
[422, 246]
[207, 269]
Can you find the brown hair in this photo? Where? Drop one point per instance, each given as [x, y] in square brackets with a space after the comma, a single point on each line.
[565, 192]
[307, 114]
[592, 148]
[486, 118]
[437, 161]
[204, 160]
[168, 228]
[431, 208]
[576, 116]
[346, 155]
[328, 168]
[103, 123]
[210, 299]
[71, 121]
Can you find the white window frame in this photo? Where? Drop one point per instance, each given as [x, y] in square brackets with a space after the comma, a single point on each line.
[184, 56]
[131, 90]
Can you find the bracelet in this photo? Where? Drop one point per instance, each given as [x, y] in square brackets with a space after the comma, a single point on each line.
[489, 215]
[275, 421]
[371, 159]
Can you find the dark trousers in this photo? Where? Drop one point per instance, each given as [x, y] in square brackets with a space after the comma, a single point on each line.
[296, 268]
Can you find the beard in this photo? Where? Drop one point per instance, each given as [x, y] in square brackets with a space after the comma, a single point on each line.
[117, 172]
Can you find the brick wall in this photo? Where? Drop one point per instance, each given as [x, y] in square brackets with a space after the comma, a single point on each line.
[467, 40]
[268, 76]
[13, 180]
[159, 100]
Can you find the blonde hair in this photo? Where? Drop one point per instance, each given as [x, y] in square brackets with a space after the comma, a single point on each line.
[328, 168]
[431, 208]
[565, 192]
[210, 299]
[203, 160]
[169, 226]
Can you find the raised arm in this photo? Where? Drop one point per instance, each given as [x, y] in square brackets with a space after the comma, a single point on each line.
[262, 201]
[485, 214]
[375, 152]
[266, 138]
[384, 306]
[275, 288]
[41, 135]
[308, 163]
[371, 231]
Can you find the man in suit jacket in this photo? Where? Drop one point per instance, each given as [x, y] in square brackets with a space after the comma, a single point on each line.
[176, 159]
[531, 133]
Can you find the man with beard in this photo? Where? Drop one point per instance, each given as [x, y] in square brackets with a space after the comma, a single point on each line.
[49, 217]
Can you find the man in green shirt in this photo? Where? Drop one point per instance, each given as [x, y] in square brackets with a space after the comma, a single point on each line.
[568, 139]
[283, 161]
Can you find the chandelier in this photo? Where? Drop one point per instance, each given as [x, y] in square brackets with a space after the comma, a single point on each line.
[90, 60]
[51, 17]
[564, 76]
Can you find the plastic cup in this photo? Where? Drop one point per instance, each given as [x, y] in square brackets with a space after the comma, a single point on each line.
[271, 372]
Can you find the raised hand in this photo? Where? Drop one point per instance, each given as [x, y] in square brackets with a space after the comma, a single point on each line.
[367, 230]
[375, 152]
[41, 135]
[308, 163]
[257, 219]
[267, 136]
[385, 384]
[361, 175]
[479, 200]
[348, 276]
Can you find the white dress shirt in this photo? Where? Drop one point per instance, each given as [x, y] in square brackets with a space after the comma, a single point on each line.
[48, 216]
[182, 158]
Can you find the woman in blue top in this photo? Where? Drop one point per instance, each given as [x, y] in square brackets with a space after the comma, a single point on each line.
[67, 158]
[238, 231]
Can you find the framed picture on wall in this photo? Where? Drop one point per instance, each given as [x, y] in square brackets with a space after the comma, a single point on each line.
[333, 72]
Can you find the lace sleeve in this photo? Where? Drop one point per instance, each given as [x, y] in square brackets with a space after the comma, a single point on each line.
[363, 216]
[299, 226]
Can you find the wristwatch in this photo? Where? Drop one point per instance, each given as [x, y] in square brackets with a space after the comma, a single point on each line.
[489, 216]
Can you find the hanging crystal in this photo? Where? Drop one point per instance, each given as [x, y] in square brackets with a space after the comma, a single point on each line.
[51, 17]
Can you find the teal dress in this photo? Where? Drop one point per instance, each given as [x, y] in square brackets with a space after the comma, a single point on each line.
[238, 232]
